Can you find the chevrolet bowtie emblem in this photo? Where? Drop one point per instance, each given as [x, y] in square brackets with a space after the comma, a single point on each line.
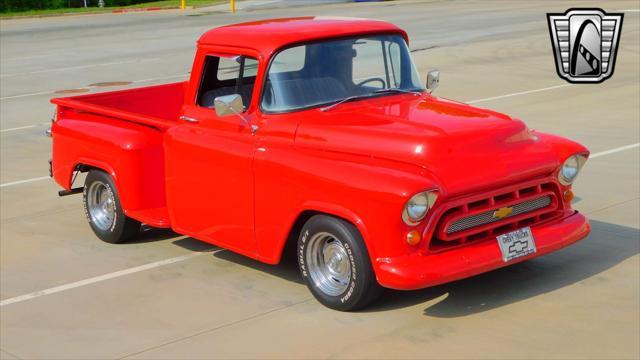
[502, 212]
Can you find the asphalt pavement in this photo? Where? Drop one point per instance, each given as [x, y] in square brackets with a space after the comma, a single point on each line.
[65, 294]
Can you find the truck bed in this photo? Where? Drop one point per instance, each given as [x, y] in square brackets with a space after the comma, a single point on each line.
[156, 106]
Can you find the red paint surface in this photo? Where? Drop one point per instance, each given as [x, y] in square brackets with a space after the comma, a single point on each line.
[361, 161]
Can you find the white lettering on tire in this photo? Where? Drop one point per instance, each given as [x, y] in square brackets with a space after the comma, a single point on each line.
[352, 281]
[303, 268]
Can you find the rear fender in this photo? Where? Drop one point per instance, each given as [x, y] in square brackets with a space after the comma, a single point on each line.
[132, 154]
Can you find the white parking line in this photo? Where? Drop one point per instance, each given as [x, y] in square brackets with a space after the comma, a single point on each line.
[24, 181]
[615, 150]
[518, 93]
[17, 128]
[27, 95]
[100, 278]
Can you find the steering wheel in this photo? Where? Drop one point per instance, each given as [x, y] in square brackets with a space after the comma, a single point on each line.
[371, 80]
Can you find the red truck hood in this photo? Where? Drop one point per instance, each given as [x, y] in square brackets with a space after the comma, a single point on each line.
[462, 146]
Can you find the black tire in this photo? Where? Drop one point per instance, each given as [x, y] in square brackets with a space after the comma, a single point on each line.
[362, 287]
[121, 228]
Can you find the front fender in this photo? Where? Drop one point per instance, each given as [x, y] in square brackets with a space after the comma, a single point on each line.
[368, 192]
[563, 147]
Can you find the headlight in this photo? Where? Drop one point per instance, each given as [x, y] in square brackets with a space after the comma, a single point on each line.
[570, 169]
[417, 207]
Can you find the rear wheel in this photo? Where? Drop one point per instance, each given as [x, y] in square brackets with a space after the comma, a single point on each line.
[104, 211]
[335, 264]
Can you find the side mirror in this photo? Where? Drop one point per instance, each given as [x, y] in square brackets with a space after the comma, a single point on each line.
[433, 80]
[228, 105]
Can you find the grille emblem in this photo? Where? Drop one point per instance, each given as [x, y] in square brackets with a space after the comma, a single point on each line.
[502, 212]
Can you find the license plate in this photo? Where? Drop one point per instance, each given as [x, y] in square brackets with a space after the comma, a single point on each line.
[516, 244]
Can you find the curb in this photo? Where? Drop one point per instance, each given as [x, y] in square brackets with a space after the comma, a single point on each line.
[154, 8]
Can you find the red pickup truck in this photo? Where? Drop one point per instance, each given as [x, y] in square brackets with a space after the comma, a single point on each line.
[317, 133]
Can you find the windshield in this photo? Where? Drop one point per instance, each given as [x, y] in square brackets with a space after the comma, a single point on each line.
[326, 72]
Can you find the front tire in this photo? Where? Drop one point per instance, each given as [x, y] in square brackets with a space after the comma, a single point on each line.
[335, 264]
[103, 209]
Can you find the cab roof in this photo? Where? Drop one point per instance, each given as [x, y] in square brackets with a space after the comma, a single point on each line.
[266, 36]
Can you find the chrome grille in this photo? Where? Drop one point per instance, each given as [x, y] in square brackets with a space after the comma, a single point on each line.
[487, 216]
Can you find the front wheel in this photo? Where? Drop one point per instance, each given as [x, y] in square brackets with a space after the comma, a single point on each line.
[335, 264]
[104, 211]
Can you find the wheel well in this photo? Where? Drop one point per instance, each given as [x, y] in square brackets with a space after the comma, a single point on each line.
[85, 168]
[82, 168]
[289, 250]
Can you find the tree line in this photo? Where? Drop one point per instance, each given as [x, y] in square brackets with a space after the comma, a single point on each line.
[21, 5]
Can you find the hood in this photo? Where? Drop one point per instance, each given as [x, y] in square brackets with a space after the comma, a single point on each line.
[463, 147]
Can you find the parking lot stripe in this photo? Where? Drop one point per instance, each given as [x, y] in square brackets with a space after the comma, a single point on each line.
[24, 181]
[26, 95]
[518, 93]
[615, 150]
[17, 128]
[100, 278]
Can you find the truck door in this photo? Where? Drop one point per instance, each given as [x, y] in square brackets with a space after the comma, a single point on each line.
[209, 160]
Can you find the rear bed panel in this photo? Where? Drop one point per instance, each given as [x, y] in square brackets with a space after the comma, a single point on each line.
[157, 106]
[133, 154]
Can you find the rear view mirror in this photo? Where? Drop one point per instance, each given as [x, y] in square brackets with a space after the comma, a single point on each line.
[228, 105]
[232, 105]
[433, 80]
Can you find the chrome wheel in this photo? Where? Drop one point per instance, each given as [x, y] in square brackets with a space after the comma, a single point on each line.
[328, 264]
[101, 205]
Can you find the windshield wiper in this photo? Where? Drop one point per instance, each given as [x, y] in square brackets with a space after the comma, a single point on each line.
[396, 90]
[375, 92]
[348, 98]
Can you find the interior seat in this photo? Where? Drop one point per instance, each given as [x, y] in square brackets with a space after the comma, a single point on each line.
[297, 93]
[209, 96]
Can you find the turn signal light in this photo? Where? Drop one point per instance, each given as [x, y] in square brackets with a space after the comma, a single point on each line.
[413, 238]
[568, 196]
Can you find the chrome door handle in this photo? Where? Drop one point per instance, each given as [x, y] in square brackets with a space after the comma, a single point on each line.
[188, 119]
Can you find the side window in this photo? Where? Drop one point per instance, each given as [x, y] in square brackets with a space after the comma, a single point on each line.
[229, 68]
[367, 64]
[225, 76]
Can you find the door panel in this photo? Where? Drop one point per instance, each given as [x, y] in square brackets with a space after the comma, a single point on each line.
[210, 179]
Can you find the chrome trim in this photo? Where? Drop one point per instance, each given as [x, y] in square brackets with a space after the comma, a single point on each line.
[328, 263]
[101, 205]
[188, 119]
[489, 217]
[432, 196]
[582, 159]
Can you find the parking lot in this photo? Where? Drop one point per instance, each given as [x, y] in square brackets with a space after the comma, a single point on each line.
[65, 294]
